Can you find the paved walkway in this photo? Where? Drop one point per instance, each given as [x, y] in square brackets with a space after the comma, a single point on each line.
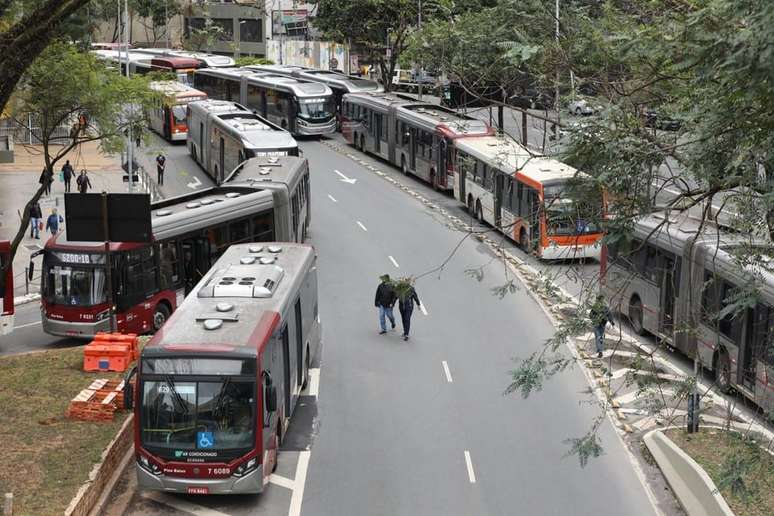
[18, 183]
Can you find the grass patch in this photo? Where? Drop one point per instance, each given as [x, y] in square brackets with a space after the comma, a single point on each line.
[743, 472]
[45, 456]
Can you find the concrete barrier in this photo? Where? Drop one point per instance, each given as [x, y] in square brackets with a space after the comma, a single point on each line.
[101, 475]
[695, 490]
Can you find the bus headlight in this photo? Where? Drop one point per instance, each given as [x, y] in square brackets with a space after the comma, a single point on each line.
[245, 467]
[147, 465]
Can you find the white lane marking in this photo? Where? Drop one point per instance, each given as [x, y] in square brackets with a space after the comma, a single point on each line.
[394, 262]
[314, 381]
[447, 372]
[300, 481]
[362, 226]
[423, 309]
[346, 179]
[282, 481]
[331, 198]
[181, 505]
[195, 183]
[26, 325]
[469, 464]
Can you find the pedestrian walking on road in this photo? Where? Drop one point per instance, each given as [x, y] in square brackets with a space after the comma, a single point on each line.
[83, 182]
[600, 316]
[53, 221]
[161, 162]
[406, 306]
[46, 178]
[384, 301]
[36, 214]
[67, 175]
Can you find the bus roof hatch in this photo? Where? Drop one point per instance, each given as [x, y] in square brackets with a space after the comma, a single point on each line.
[255, 277]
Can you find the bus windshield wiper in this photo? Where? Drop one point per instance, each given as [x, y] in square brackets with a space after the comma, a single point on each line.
[176, 395]
[221, 395]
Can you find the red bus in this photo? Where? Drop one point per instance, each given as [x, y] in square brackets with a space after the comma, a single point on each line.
[182, 67]
[217, 385]
[189, 233]
[167, 118]
[6, 289]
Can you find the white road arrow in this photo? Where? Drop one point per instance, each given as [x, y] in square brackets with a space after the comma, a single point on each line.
[195, 184]
[345, 178]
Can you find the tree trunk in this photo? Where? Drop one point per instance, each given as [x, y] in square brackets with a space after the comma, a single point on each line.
[27, 38]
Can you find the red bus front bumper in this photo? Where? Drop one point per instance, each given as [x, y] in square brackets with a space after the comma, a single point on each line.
[250, 483]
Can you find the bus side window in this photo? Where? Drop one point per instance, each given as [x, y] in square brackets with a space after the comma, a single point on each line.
[731, 323]
[263, 225]
[149, 271]
[218, 242]
[170, 264]
[239, 231]
[709, 299]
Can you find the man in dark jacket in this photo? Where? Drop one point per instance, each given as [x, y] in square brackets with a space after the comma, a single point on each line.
[83, 182]
[46, 178]
[406, 307]
[67, 175]
[35, 215]
[384, 301]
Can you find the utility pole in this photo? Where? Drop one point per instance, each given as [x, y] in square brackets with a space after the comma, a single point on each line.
[129, 164]
[419, 22]
[166, 22]
[556, 89]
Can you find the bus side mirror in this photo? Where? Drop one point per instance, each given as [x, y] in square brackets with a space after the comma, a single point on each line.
[31, 270]
[129, 389]
[271, 398]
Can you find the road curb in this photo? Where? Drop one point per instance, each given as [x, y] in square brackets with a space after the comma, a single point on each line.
[691, 485]
[103, 475]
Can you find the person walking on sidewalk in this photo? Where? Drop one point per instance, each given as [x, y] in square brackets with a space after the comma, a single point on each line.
[35, 215]
[384, 301]
[53, 221]
[46, 178]
[406, 307]
[67, 175]
[83, 182]
[600, 316]
[160, 164]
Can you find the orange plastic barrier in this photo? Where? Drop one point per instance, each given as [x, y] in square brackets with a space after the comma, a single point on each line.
[98, 402]
[110, 352]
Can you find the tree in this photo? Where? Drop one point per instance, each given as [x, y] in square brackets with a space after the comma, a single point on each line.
[67, 87]
[24, 36]
[154, 15]
[380, 27]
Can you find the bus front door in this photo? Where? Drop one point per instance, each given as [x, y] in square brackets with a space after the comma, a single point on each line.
[498, 197]
[413, 150]
[286, 367]
[667, 322]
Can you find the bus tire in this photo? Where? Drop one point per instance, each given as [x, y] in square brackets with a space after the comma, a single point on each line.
[307, 362]
[403, 167]
[524, 240]
[470, 205]
[479, 212]
[433, 179]
[160, 315]
[363, 144]
[635, 315]
[722, 371]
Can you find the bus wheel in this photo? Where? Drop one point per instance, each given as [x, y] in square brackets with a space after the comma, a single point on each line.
[723, 372]
[524, 240]
[635, 315]
[306, 370]
[279, 441]
[403, 166]
[479, 212]
[160, 316]
[362, 143]
[433, 181]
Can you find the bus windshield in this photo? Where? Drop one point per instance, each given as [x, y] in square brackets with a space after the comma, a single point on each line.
[567, 217]
[74, 285]
[178, 112]
[198, 415]
[315, 109]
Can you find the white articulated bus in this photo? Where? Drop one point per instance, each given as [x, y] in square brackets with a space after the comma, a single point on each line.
[217, 386]
[675, 278]
[410, 134]
[222, 134]
[526, 197]
[302, 107]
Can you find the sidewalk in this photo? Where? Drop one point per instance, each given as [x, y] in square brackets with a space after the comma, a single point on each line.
[19, 181]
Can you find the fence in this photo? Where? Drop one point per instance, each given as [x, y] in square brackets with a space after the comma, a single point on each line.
[29, 132]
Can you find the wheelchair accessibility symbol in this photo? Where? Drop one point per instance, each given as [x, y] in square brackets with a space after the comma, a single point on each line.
[205, 440]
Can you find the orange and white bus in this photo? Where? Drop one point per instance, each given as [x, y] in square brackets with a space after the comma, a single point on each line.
[527, 197]
[168, 116]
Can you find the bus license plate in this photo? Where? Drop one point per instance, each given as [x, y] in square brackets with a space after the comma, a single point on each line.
[198, 490]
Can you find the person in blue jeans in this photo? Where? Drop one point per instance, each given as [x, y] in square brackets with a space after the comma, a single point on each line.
[384, 301]
[36, 214]
[600, 316]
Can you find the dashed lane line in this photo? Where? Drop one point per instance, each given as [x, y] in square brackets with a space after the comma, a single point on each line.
[314, 381]
[181, 505]
[332, 198]
[446, 371]
[469, 464]
[394, 262]
[362, 226]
